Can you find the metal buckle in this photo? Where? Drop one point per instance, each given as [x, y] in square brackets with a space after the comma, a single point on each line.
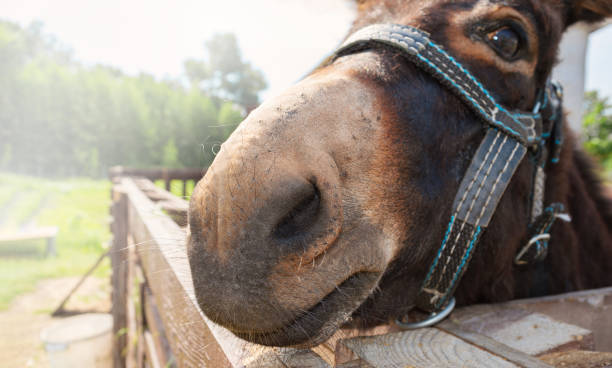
[541, 252]
[429, 321]
[537, 107]
[558, 89]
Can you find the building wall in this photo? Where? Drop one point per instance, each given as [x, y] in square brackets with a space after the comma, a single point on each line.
[571, 70]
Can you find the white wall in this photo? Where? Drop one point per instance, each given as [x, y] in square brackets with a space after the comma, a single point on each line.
[571, 70]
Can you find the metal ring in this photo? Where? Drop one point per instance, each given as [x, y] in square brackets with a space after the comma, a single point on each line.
[429, 321]
[518, 259]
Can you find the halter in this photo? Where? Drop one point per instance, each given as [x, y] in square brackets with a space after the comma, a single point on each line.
[510, 135]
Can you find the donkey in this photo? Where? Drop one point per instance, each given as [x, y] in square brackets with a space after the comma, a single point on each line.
[328, 205]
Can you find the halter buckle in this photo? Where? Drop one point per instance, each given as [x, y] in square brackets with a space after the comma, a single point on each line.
[431, 320]
[541, 249]
[557, 89]
[536, 248]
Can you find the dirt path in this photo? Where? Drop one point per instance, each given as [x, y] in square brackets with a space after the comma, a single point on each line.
[20, 344]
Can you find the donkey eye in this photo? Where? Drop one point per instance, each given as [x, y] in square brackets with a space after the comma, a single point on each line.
[506, 42]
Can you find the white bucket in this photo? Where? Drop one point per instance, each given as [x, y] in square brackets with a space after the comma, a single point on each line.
[80, 341]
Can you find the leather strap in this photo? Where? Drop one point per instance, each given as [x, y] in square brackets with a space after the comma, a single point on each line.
[415, 44]
[482, 187]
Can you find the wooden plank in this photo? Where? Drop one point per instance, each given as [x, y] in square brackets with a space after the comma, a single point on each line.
[48, 233]
[175, 207]
[157, 173]
[358, 363]
[537, 334]
[154, 324]
[195, 341]
[282, 358]
[152, 356]
[132, 355]
[33, 234]
[156, 193]
[340, 354]
[50, 249]
[118, 256]
[304, 359]
[579, 359]
[525, 331]
[423, 348]
[176, 210]
[510, 354]
[137, 297]
[589, 309]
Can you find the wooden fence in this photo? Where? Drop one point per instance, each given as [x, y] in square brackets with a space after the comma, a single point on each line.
[159, 324]
[167, 175]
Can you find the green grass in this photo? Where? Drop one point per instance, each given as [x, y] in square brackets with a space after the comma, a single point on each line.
[80, 208]
[29, 202]
[176, 187]
[7, 194]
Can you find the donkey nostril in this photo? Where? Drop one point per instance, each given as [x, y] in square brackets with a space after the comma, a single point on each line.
[301, 217]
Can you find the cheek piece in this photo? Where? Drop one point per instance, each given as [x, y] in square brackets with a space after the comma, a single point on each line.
[510, 136]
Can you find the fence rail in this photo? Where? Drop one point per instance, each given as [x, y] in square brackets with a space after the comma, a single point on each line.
[167, 175]
[159, 324]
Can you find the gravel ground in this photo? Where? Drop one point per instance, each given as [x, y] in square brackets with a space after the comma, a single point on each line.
[20, 344]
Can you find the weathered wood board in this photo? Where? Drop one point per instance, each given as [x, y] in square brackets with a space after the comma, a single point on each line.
[426, 347]
[529, 332]
[589, 309]
[165, 174]
[48, 233]
[175, 207]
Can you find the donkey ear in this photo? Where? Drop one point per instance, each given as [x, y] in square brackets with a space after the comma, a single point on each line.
[589, 10]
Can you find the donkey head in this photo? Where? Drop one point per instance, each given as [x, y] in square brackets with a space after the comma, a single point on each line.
[328, 203]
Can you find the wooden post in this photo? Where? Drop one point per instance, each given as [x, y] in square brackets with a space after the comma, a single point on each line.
[167, 179]
[158, 348]
[119, 228]
[50, 250]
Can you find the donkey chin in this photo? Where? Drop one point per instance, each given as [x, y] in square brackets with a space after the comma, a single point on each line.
[285, 304]
[316, 324]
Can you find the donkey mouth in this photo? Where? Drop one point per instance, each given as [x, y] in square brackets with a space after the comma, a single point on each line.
[318, 323]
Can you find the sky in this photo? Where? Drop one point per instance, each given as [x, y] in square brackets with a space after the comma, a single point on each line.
[283, 38]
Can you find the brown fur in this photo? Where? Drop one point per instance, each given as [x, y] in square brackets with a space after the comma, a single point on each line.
[329, 202]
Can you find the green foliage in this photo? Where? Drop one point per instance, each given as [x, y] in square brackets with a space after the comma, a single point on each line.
[225, 74]
[170, 157]
[79, 208]
[176, 187]
[60, 118]
[597, 123]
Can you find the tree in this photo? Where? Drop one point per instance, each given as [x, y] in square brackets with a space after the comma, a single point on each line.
[59, 117]
[224, 74]
[170, 155]
[597, 124]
